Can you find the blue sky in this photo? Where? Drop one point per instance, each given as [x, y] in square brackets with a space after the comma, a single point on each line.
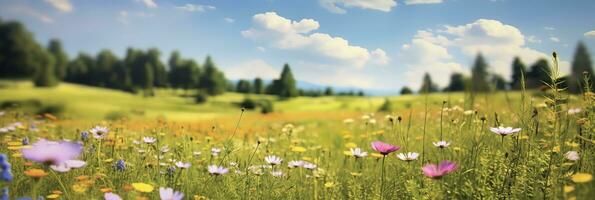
[377, 44]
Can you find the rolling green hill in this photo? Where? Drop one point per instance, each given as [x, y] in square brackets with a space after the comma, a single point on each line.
[84, 102]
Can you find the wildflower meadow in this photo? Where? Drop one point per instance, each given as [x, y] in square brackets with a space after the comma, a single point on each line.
[297, 99]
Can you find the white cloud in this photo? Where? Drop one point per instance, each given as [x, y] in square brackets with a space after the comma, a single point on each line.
[229, 20]
[261, 49]
[411, 2]
[195, 7]
[252, 69]
[549, 28]
[296, 36]
[426, 54]
[379, 57]
[590, 34]
[26, 11]
[61, 5]
[555, 39]
[338, 6]
[123, 17]
[148, 3]
[533, 39]
[498, 42]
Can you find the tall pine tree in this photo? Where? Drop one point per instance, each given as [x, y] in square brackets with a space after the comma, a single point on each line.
[518, 73]
[427, 86]
[479, 75]
[212, 80]
[581, 67]
[457, 83]
[286, 85]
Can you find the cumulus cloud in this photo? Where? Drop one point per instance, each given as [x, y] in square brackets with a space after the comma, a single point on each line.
[148, 3]
[26, 11]
[338, 6]
[195, 7]
[555, 39]
[252, 69]
[61, 5]
[533, 39]
[298, 37]
[411, 2]
[229, 20]
[498, 42]
[590, 34]
[427, 53]
[549, 28]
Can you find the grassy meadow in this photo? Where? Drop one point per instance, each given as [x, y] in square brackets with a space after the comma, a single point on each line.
[169, 141]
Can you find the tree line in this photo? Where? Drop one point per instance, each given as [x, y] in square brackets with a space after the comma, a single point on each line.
[536, 76]
[22, 57]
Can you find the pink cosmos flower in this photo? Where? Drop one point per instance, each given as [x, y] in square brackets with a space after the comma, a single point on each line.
[437, 171]
[52, 152]
[384, 148]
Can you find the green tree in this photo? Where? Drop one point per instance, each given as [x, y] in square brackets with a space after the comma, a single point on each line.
[102, 73]
[244, 86]
[159, 72]
[457, 83]
[479, 75]
[19, 52]
[61, 58]
[406, 90]
[258, 86]
[45, 75]
[212, 80]
[78, 69]
[518, 72]
[427, 85]
[581, 67]
[328, 91]
[539, 74]
[386, 106]
[286, 85]
[498, 82]
[183, 74]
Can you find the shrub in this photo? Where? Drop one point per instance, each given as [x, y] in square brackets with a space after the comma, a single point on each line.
[51, 109]
[116, 115]
[266, 107]
[200, 97]
[248, 103]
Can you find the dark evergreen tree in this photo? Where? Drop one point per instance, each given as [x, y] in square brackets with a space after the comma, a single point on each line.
[45, 74]
[285, 86]
[427, 85]
[479, 75]
[244, 86]
[406, 90]
[457, 83]
[518, 72]
[539, 74]
[20, 54]
[102, 73]
[60, 57]
[159, 71]
[212, 80]
[258, 86]
[581, 68]
[328, 91]
[78, 69]
[498, 82]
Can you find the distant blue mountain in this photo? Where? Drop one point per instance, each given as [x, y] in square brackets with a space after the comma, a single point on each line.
[313, 86]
